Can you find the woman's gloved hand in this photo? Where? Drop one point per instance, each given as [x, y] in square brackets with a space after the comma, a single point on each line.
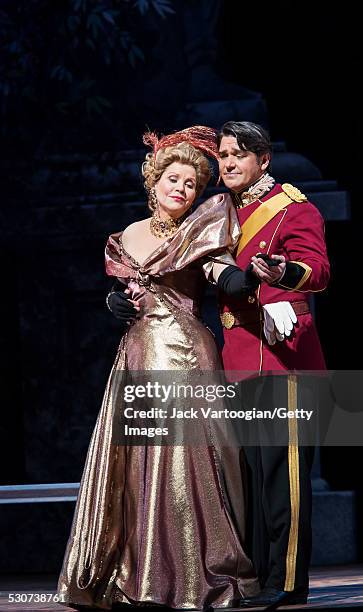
[121, 306]
[234, 282]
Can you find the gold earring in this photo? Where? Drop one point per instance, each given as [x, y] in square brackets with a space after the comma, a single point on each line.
[153, 200]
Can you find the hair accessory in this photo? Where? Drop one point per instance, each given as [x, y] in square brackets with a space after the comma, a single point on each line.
[199, 136]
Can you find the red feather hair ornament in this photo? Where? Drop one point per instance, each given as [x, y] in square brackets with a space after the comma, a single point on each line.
[199, 136]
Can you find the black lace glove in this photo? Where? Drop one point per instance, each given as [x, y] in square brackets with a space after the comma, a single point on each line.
[120, 306]
[234, 282]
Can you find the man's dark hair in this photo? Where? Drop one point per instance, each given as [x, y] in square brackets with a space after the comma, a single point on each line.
[250, 136]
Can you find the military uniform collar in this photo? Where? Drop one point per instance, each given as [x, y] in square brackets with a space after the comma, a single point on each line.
[255, 191]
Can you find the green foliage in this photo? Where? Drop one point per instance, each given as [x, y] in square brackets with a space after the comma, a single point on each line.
[60, 56]
[162, 7]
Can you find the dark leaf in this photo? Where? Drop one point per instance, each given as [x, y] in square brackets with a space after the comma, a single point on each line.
[163, 7]
[86, 84]
[103, 101]
[125, 39]
[73, 22]
[90, 43]
[79, 5]
[54, 72]
[135, 54]
[142, 6]
[138, 53]
[108, 17]
[94, 23]
[61, 73]
[93, 106]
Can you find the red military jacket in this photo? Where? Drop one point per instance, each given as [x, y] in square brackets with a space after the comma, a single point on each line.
[297, 232]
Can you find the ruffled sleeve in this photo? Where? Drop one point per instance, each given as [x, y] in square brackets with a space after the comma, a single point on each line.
[115, 262]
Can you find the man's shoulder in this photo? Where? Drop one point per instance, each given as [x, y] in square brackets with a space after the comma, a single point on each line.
[299, 201]
[290, 190]
[294, 193]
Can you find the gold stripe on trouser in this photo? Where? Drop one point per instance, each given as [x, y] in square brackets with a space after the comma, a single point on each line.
[293, 460]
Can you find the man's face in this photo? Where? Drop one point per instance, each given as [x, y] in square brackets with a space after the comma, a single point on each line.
[239, 168]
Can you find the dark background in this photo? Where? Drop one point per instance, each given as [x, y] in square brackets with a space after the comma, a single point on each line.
[304, 59]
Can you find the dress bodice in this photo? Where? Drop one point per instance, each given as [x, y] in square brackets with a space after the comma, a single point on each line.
[177, 269]
[181, 288]
[169, 285]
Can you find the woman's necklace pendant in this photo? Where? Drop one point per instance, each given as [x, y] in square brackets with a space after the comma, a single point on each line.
[164, 228]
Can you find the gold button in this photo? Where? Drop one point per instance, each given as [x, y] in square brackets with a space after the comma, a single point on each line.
[251, 299]
[227, 319]
[262, 244]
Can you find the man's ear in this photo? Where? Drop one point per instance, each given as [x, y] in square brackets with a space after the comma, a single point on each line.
[265, 160]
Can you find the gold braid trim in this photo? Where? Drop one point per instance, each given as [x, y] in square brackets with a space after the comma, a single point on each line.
[293, 460]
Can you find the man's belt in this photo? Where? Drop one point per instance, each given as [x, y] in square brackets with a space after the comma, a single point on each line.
[239, 318]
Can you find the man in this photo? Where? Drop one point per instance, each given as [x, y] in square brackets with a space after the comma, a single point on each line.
[272, 329]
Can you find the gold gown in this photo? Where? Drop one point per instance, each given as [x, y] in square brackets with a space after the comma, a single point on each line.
[162, 524]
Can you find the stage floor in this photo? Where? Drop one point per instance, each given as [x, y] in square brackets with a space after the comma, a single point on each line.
[330, 587]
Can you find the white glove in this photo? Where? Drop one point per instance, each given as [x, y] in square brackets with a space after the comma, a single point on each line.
[279, 320]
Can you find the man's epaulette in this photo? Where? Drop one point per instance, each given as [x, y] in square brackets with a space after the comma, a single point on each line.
[294, 193]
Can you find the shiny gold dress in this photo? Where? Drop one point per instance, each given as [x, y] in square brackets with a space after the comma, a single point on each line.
[162, 524]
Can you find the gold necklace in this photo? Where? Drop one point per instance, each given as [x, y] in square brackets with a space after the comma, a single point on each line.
[165, 228]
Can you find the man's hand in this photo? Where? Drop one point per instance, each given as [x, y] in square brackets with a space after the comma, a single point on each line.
[266, 273]
[279, 320]
[121, 306]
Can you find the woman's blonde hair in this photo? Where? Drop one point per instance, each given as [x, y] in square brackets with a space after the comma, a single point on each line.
[183, 153]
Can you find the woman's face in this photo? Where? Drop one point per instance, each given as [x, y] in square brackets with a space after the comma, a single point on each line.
[176, 190]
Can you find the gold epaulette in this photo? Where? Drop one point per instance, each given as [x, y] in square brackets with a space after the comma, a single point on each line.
[294, 193]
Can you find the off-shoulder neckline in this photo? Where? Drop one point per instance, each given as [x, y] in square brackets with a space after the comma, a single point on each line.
[159, 248]
[169, 240]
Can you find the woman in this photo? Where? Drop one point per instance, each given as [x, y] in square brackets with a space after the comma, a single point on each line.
[164, 524]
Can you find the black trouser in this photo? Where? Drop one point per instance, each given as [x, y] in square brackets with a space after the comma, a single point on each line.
[279, 509]
[280, 550]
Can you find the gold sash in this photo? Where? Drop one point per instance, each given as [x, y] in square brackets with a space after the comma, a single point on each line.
[261, 216]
